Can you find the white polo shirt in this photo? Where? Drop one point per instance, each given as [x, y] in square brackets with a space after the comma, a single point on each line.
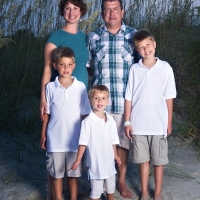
[99, 136]
[148, 90]
[66, 106]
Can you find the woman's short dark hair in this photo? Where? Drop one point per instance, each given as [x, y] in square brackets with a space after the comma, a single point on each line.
[78, 3]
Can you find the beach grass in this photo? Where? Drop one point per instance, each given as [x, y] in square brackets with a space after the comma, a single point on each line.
[175, 25]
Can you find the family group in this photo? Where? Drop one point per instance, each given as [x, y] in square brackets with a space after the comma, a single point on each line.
[128, 105]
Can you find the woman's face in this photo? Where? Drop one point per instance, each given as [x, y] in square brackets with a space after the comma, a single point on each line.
[72, 13]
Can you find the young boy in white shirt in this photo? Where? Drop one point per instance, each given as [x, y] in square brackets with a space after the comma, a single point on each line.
[148, 111]
[67, 104]
[99, 137]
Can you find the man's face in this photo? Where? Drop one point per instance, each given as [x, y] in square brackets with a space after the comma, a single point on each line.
[112, 14]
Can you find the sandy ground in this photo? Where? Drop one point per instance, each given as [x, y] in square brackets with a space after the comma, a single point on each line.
[23, 175]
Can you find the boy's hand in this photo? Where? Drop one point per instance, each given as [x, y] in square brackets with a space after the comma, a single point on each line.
[128, 131]
[43, 143]
[75, 165]
[169, 128]
[118, 160]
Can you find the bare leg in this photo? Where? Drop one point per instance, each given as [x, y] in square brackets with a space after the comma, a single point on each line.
[73, 187]
[158, 176]
[123, 154]
[57, 188]
[50, 193]
[110, 196]
[144, 175]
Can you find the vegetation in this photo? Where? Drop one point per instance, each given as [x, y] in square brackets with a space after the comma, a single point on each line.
[175, 25]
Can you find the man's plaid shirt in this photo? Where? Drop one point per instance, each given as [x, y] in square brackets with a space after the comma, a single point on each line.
[111, 56]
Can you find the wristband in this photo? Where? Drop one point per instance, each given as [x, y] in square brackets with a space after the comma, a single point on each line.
[127, 123]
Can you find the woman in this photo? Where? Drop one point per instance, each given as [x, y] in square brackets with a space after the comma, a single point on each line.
[70, 36]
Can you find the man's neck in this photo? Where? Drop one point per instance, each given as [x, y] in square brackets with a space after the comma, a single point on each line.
[113, 29]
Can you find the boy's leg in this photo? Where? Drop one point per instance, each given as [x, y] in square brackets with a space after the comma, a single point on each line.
[144, 176]
[50, 193]
[57, 188]
[110, 196]
[73, 187]
[158, 176]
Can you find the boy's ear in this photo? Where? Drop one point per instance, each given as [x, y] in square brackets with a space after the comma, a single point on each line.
[54, 65]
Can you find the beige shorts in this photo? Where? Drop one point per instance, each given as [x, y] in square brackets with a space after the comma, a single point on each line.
[98, 186]
[152, 148]
[58, 164]
[124, 141]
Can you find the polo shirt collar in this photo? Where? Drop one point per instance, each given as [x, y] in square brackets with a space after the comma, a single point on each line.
[122, 28]
[155, 65]
[57, 83]
[96, 118]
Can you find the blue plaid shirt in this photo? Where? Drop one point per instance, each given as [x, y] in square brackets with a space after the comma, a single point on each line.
[111, 56]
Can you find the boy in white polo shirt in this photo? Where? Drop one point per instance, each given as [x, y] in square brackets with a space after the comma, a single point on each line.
[148, 111]
[99, 136]
[67, 103]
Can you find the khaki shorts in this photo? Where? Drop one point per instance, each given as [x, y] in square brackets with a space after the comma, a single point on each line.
[124, 141]
[152, 148]
[98, 186]
[58, 164]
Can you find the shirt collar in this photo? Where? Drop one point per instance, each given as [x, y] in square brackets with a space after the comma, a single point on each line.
[122, 28]
[96, 118]
[57, 83]
[156, 64]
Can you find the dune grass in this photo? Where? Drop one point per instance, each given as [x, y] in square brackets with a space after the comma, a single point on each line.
[175, 25]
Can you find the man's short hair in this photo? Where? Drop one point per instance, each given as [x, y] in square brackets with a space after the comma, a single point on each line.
[141, 35]
[61, 52]
[103, 1]
[98, 88]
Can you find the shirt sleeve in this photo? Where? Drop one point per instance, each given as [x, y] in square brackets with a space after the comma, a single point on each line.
[47, 93]
[169, 85]
[54, 39]
[115, 137]
[85, 105]
[84, 134]
[129, 87]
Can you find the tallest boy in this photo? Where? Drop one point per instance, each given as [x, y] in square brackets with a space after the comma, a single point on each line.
[111, 55]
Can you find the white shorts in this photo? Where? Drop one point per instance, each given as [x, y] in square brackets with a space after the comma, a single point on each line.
[98, 186]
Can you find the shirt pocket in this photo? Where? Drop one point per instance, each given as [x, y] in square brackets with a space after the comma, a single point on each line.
[127, 54]
[100, 53]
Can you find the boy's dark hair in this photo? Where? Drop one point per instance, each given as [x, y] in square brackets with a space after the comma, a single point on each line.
[103, 1]
[141, 35]
[79, 3]
[61, 52]
[98, 88]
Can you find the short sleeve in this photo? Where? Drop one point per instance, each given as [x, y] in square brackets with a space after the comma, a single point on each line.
[85, 105]
[169, 86]
[84, 134]
[129, 87]
[54, 39]
[47, 93]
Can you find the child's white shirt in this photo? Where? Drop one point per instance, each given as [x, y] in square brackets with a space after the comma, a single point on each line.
[99, 137]
[148, 90]
[66, 106]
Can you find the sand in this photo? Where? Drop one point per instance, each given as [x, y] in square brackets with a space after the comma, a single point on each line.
[23, 174]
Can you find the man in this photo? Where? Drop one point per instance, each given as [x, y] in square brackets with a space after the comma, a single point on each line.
[111, 55]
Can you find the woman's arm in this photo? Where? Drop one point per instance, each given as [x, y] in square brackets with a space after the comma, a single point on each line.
[48, 63]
